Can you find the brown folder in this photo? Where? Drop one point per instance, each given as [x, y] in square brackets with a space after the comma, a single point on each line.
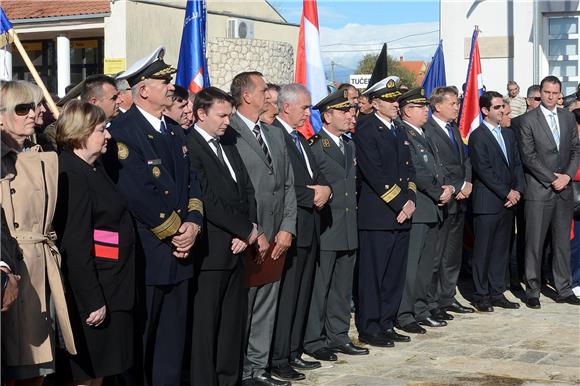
[269, 271]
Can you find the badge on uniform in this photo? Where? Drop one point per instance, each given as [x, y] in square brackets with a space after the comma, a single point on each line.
[406, 143]
[156, 171]
[412, 132]
[325, 143]
[122, 150]
[154, 161]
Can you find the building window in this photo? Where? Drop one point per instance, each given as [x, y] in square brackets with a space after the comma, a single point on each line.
[42, 53]
[86, 58]
[562, 50]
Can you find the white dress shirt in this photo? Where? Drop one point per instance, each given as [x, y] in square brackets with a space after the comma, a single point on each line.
[251, 125]
[209, 139]
[153, 120]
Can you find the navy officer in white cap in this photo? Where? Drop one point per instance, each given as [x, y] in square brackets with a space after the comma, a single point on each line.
[150, 164]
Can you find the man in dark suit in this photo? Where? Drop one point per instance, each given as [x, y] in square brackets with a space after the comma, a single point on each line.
[152, 170]
[498, 184]
[312, 193]
[329, 316]
[550, 152]
[444, 134]
[220, 299]
[386, 203]
[265, 156]
[432, 196]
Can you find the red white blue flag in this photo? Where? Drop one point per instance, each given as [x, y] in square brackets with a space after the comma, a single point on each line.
[470, 114]
[309, 68]
[192, 66]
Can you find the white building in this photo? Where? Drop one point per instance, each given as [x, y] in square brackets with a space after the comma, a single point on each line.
[521, 40]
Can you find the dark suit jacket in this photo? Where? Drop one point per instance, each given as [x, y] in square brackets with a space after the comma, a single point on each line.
[457, 170]
[307, 217]
[230, 207]
[388, 176]
[429, 177]
[493, 176]
[540, 156]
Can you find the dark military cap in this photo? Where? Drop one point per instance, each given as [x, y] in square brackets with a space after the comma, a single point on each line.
[180, 92]
[415, 96]
[336, 101]
[386, 89]
[150, 67]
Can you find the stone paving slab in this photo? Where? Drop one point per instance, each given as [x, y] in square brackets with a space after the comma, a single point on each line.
[503, 348]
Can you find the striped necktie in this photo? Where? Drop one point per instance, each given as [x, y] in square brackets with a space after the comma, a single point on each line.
[258, 134]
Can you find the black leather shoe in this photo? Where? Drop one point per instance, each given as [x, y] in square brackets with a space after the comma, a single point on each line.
[412, 328]
[286, 373]
[350, 349]
[266, 380]
[572, 299]
[323, 354]
[459, 308]
[430, 322]
[533, 303]
[483, 306]
[504, 303]
[440, 314]
[375, 340]
[248, 382]
[301, 364]
[393, 335]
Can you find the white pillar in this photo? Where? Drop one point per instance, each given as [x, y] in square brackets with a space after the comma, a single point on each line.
[62, 63]
[6, 63]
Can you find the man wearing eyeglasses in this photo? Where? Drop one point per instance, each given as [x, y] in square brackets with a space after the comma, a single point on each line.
[550, 151]
[498, 184]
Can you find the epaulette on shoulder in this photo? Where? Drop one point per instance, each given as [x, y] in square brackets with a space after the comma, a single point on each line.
[313, 139]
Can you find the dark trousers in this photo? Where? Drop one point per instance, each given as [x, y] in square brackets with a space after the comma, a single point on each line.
[447, 262]
[329, 315]
[382, 265]
[517, 261]
[491, 254]
[575, 255]
[164, 337]
[293, 303]
[219, 317]
[555, 214]
[420, 266]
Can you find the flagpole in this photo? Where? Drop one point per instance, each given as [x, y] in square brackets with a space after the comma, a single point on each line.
[32, 69]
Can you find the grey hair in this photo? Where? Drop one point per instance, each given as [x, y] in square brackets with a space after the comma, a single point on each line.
[122, 84]
[289, 93]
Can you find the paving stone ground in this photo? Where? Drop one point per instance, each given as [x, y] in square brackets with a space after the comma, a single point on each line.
[502, 348]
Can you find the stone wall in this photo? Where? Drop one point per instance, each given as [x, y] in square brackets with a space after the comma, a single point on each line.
[228, 57]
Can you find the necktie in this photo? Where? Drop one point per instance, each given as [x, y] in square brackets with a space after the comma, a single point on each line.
[219, 151]
[341, 145]
[500, 141]
[294, 135]
[163, 128]
[554, 128]
[454, 143]
[258, 135]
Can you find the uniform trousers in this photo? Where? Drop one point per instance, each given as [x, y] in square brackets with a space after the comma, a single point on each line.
[555, 214]
[382, 265]
[262, 303]
[165, 330]
[219, 318]
[293, 303]
[420, 268]
[329, 316]
[491, 252]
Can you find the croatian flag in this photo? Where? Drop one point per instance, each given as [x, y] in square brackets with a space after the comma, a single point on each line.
[192, 66]
[309, 69]
[470, 115]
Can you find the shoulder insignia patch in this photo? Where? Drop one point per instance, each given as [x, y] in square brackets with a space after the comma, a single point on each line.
[325, 143]
[122, 150]
[412, 132]
[313, 139]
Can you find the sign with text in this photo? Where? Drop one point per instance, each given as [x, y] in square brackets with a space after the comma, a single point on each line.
[114, 65]
[360, 81]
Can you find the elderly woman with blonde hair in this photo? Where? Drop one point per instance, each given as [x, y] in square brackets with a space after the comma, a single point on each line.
[28, 184]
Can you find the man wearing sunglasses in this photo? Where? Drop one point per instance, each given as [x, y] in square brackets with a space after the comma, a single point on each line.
[498, 184]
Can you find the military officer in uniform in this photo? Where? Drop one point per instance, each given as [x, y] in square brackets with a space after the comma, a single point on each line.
[386, 205]
[152, 170]
[432, 196]
[329, 317]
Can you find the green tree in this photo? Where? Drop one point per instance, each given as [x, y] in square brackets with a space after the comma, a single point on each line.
[367, 64]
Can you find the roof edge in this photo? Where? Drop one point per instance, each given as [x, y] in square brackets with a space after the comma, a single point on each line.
[38, 20]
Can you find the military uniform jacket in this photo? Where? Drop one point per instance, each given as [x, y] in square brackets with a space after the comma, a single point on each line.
[338, 218]
[153, 171]
[429, 177]
[387, 175]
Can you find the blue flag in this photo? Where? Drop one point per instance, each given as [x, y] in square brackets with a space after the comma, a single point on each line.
[5, 26]
[435, 76]
[192, 66]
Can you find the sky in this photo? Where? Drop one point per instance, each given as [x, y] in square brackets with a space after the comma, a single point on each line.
[351, 29]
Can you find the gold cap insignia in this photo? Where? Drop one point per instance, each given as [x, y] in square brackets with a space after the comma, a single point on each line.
[391, 83]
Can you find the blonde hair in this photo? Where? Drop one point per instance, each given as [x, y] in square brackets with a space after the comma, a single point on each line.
[15, 92]
[76, 123]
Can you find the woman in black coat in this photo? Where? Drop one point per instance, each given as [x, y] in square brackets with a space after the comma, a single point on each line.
[96, 237]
